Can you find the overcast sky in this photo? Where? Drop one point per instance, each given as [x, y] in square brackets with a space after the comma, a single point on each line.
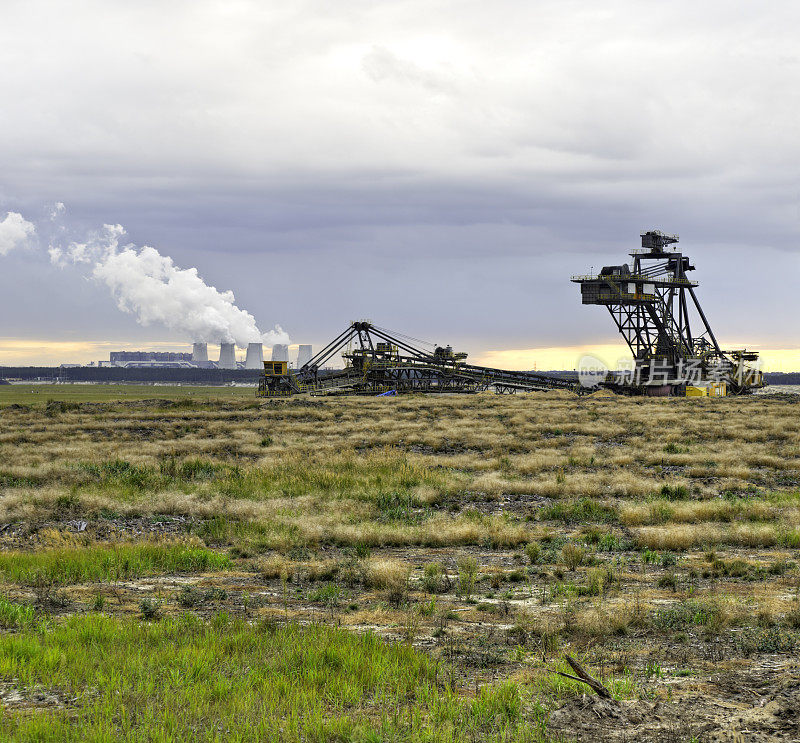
[441, 168]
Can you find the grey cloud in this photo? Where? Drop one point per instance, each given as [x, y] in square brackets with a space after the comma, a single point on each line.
[442, 166]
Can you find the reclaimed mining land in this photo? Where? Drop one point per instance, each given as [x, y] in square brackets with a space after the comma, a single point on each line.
[195, 564]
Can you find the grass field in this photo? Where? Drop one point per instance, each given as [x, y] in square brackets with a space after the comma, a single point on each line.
[196, 564]
[35, 394]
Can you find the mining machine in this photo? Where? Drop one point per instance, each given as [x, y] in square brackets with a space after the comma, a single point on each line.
[378, 360]
[655, 307]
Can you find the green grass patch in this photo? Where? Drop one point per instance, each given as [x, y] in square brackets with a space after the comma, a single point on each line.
[120, 474]
[384, 477]
[584, 510]
[118, 562]
[382, 473]
[673, 448]
[689, 613]
[553, 686]
[13, 615]
[185, 679]
[399, 506]
[8, 480]
[674, 492]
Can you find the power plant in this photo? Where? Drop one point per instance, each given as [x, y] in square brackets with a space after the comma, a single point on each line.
[199, 353]
[198, 358]
[146, 359]
[304, 354]
[227, 356]
[280, 352]
[652, 303]
[255, 356]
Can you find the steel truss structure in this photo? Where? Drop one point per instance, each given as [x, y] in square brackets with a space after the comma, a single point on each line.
[378, 360]
[655, 308]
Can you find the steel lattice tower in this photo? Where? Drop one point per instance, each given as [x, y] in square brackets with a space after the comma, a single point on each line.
[655, 308]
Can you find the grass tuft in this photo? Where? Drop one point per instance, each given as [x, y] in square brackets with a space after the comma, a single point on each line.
[104, 563]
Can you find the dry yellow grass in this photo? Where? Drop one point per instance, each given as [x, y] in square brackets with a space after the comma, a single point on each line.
[388, 472]
[535, 524]
[637, 514]
[687, 536]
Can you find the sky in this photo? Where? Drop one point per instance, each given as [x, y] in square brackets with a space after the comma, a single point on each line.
[440, 168]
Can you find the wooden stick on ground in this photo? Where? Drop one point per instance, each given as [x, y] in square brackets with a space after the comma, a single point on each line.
[584, 677]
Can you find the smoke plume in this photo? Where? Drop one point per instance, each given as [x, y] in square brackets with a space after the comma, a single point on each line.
[151, 287]
[15, 231]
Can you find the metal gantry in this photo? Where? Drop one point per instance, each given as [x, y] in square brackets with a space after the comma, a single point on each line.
[651, 300]
[378, 360]
[654, 306]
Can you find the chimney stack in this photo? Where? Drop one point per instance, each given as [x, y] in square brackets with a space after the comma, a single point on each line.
[255, 356]
[304, 355]
[200, 353]
[227, 356]
[280, 352]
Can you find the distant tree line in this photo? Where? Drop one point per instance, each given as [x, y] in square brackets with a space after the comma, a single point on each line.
[782, 377]
[120, 374]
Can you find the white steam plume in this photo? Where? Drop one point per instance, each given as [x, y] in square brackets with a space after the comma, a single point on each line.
[151, 287]
[15, 231]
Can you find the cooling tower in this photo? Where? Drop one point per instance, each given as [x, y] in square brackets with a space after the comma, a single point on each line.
[227, 356]
[200, 353]
[303, 355]
[280, 352]
[255, 356]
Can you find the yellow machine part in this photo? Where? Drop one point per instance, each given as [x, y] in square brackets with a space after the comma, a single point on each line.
[710, 389]
[276, 368]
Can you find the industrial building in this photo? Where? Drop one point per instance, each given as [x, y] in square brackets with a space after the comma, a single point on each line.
[200, 354]
[255, 356]
[280, 352]
[227, 356]
[144, 359]
[304, 354]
